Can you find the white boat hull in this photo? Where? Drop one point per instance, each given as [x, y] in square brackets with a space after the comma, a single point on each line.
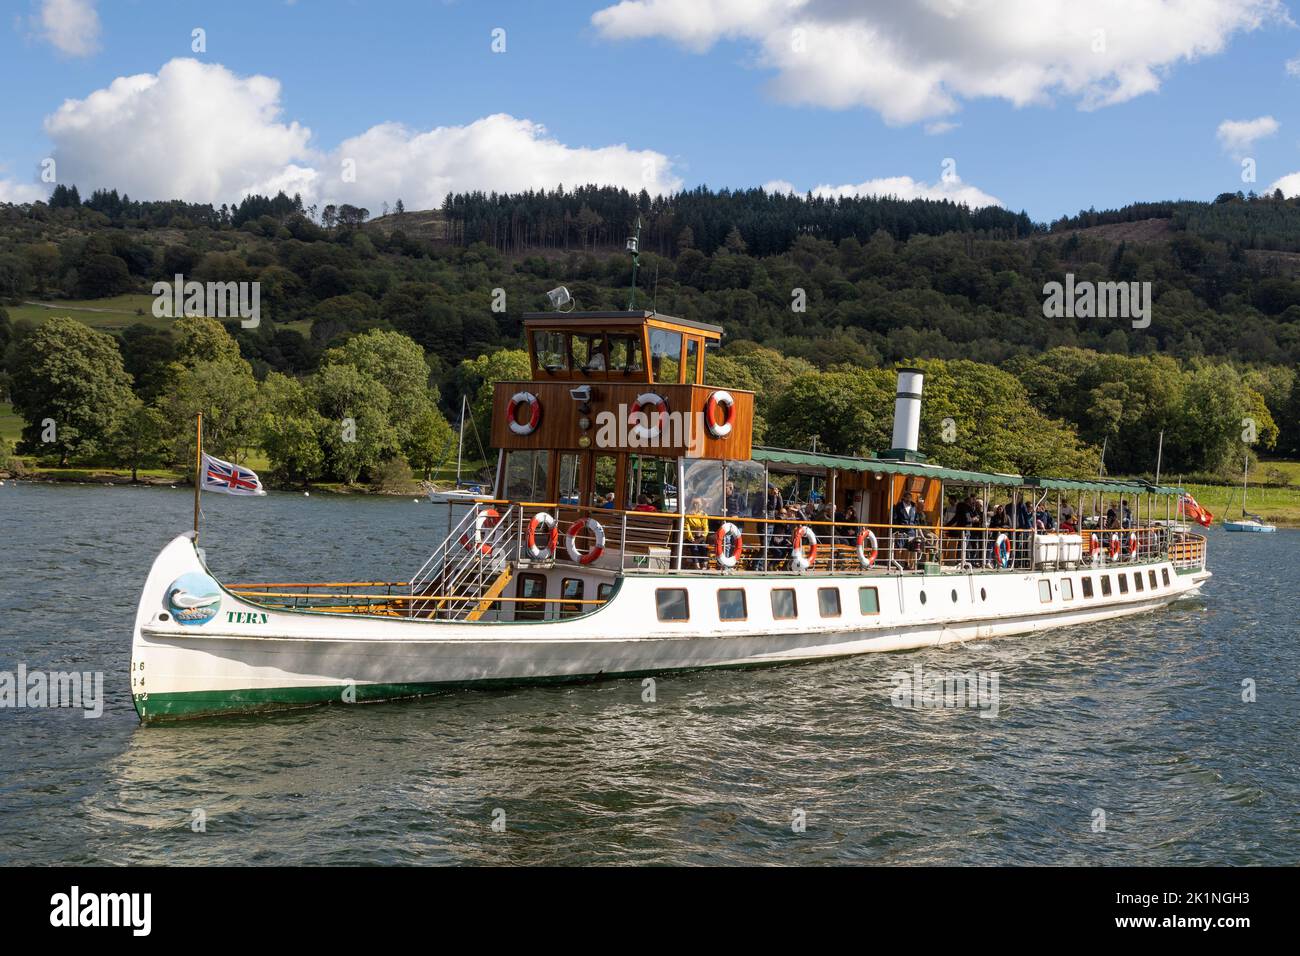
[251, 658]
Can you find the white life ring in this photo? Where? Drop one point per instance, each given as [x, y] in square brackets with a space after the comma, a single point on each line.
[1133, 545]
[650, 432]
[482, 522]
[801, 561]
[571, 540]
[728, 559]
[546, 522]
[1002, 551]
[865, 535]
[719, 429]
[534, 413]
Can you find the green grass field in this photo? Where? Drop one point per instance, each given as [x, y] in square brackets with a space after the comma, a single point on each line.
[11, 426]
[113, 313]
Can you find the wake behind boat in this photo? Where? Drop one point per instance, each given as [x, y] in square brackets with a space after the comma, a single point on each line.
[634, 529]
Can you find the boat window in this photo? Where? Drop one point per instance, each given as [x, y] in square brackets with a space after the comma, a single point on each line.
[1044, 590]
[828, 602]
[731, 604]
[1067, 589]
[625, 354]
[665, 355]
[672, 605]
[692, 359]
[653, 478]
[1087, 586]
[1164, 574]
[704, 481]
[550, 350]
[604, 591]
[784, 606]
[744, 489]
[526, 474]
[532, 586]
[868, 601]
[571, 590]
[1151, 576]
[570, 486]
[1137, 581]
[1105, 585]
[605, 482]
[587, 351]
[1123, 583]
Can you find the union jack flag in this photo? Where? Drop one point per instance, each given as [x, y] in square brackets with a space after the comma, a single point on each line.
[229, 479]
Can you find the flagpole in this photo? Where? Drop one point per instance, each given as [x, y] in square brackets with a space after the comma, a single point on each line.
[198, 469]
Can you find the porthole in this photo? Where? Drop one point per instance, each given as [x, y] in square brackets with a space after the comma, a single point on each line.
[922, 597]
[954, 595]
[164, 616]
[984, 595]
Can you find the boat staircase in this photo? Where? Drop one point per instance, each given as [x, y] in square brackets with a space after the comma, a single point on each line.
[469, 571]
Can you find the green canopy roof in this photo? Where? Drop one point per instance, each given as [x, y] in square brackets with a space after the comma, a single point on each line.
[812, 460]
[1105, 485]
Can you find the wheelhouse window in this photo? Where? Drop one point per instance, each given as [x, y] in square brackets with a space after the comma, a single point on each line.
[587, 351]
[868, 601]
[1087, 586]
[625, 354]
[672, 605]
[828, 602]
[692, 360]
[784, 606]
[571, 590]
[731, 604]
[1105, 585]
[549, 347]
[531, 589]
[665, 355]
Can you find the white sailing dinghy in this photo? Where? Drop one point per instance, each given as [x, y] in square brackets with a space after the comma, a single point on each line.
[459, 493]
[635, 529]
[1248, 521]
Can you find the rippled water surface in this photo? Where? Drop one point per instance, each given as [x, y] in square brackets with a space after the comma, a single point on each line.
[1142, 719]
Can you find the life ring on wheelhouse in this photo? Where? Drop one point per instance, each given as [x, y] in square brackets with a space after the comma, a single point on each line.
[1002, 551]
[723, 399]
[545, 521]
[571, 540]
[801, 561]
[534, 406]
[650, 432]
[864, 536]
[483, 522]
[727, 531]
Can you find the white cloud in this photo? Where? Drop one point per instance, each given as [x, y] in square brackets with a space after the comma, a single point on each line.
[16, 192]
[199, 132]
[1238, 137]
[1289, 184]
[902, 187]
[939, 127]
[1293, 67]
[920, 60]
[71, 26]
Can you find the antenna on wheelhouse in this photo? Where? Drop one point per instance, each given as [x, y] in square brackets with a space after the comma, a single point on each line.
[634, 248]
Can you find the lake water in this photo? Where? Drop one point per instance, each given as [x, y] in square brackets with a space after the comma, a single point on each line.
[1142, 719]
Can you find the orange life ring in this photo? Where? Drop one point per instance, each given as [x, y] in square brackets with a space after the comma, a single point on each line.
[543, 518]
[728, 530]
[719, 429]
[1133, 545]
[571, 540]
[865, 535]
[801, 561]
[1002, 551]
[483, 522]
[534, 414]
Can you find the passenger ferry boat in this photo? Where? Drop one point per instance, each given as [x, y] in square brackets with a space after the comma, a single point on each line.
[634, 529]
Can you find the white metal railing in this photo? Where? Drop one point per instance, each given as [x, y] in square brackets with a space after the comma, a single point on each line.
[461, 570]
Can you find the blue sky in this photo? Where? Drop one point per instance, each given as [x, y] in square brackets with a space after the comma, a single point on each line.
[702, 101]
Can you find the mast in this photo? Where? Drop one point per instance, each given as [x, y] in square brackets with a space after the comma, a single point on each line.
[1245, 470]
[1159, 453]
[460, 441]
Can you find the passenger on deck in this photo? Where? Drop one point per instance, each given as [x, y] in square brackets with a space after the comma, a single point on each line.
[1112, 519]
[609, 501]
[697, 535]
[906, 518]
[643, 504]
[1043, 519]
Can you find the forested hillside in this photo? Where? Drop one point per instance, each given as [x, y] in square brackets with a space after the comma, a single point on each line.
[818, 297]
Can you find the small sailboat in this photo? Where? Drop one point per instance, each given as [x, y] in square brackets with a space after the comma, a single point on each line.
[459, 494]
[1248, 521]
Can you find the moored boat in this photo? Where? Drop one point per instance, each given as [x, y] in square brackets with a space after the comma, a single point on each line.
[634, 529]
